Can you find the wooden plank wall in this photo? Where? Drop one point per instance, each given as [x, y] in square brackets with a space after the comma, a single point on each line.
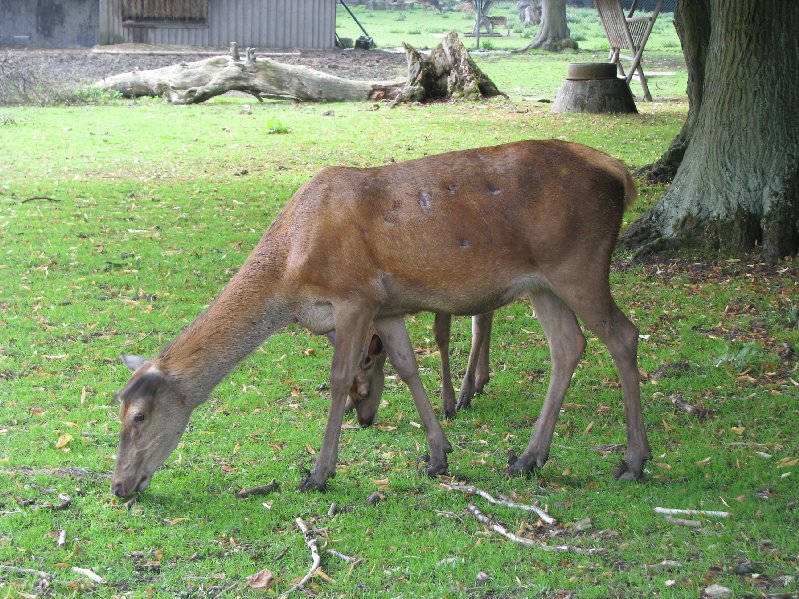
[263, 24]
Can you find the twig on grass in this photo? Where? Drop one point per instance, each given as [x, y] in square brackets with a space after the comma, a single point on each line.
[675, 512]
[66, 501]
[89, 574]
[683, 522]
[501, 530]
[35, 198]
[491, 499]
[38, 573]
[346, 558]
[264, 490]
[62, 538]
[313, 545]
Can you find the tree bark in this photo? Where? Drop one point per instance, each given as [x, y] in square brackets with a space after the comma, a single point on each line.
[448, 72]
[553, 33]
[194, 82]
[692, 21]
[737, 185]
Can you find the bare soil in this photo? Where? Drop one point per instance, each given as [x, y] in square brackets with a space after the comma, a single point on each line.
[70, 67]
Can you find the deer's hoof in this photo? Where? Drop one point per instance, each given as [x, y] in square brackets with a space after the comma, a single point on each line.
[434, 467]
[516, 466]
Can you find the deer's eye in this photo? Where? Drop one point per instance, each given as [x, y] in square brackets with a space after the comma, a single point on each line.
[138, 417]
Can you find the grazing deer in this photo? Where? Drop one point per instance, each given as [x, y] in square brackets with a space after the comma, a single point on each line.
[367, 389]
[497, 22]
[458, 233]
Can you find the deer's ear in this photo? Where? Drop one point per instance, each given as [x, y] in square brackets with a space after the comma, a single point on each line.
[132, 362]
[375, 346]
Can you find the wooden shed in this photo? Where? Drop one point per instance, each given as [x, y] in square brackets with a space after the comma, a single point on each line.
[264, 24]
[279, 24]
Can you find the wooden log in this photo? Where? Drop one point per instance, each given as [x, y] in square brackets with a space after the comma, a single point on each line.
[448, 72]
[194, 82]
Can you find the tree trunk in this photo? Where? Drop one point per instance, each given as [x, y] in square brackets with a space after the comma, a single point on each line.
[738, 183]
[553, 33]
[194, 82]
[448, 72]
[692, 21]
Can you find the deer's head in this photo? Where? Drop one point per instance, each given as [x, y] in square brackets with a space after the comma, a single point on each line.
[367, 388]
[154, 415]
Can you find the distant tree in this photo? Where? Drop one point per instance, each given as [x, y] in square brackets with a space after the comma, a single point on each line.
[553, 32]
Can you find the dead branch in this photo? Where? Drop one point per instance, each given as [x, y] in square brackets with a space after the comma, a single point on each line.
[501, 530]
[683, 522]
[471, 490]
[264, 490]
[62, 538]
[675, 512]
[66, 501]
[38, 573]
[374, 497]
[34, 198]
[346, 558]
[447, 72]
[678, 402]
[89, 574]
[313, 545]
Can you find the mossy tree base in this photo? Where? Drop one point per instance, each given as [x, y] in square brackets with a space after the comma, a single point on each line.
[737, 185]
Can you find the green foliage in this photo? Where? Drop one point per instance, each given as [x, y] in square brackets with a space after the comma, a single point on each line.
[151, 210]
[92, 95]
[274, 125]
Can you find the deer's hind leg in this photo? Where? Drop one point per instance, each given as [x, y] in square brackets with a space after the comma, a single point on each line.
[566, 345]
[615, 330]
[477, 371]
[442, 328]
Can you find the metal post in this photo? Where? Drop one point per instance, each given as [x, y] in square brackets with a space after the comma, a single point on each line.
[479, 6]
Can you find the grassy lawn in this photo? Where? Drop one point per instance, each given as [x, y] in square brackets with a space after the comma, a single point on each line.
[144, 211]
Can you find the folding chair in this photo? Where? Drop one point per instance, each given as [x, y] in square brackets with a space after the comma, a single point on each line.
[627, 33]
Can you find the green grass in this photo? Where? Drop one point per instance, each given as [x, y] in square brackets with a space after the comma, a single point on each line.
[154, 207]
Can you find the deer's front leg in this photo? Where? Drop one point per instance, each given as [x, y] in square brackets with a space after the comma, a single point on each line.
[352, 326]
[400, 353]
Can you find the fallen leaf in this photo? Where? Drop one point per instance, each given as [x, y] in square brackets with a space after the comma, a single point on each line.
[704, 462]
[787, 462]
[63, 441]
[261, 580]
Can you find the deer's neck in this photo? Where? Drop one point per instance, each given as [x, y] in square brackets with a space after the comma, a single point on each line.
[248, 310]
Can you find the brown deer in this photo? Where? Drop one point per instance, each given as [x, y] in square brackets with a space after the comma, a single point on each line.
[458, 233]
[367, 389]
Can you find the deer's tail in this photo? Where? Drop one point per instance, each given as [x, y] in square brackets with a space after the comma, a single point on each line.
[630, 192]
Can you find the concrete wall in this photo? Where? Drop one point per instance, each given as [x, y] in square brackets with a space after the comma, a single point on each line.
[49, 23]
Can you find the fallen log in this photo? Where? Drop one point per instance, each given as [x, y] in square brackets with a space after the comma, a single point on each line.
[448, 72]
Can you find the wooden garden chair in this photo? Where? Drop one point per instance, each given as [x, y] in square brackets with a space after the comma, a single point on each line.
[627, 33]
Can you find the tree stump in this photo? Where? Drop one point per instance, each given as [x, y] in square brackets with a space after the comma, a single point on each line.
[594, 87]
